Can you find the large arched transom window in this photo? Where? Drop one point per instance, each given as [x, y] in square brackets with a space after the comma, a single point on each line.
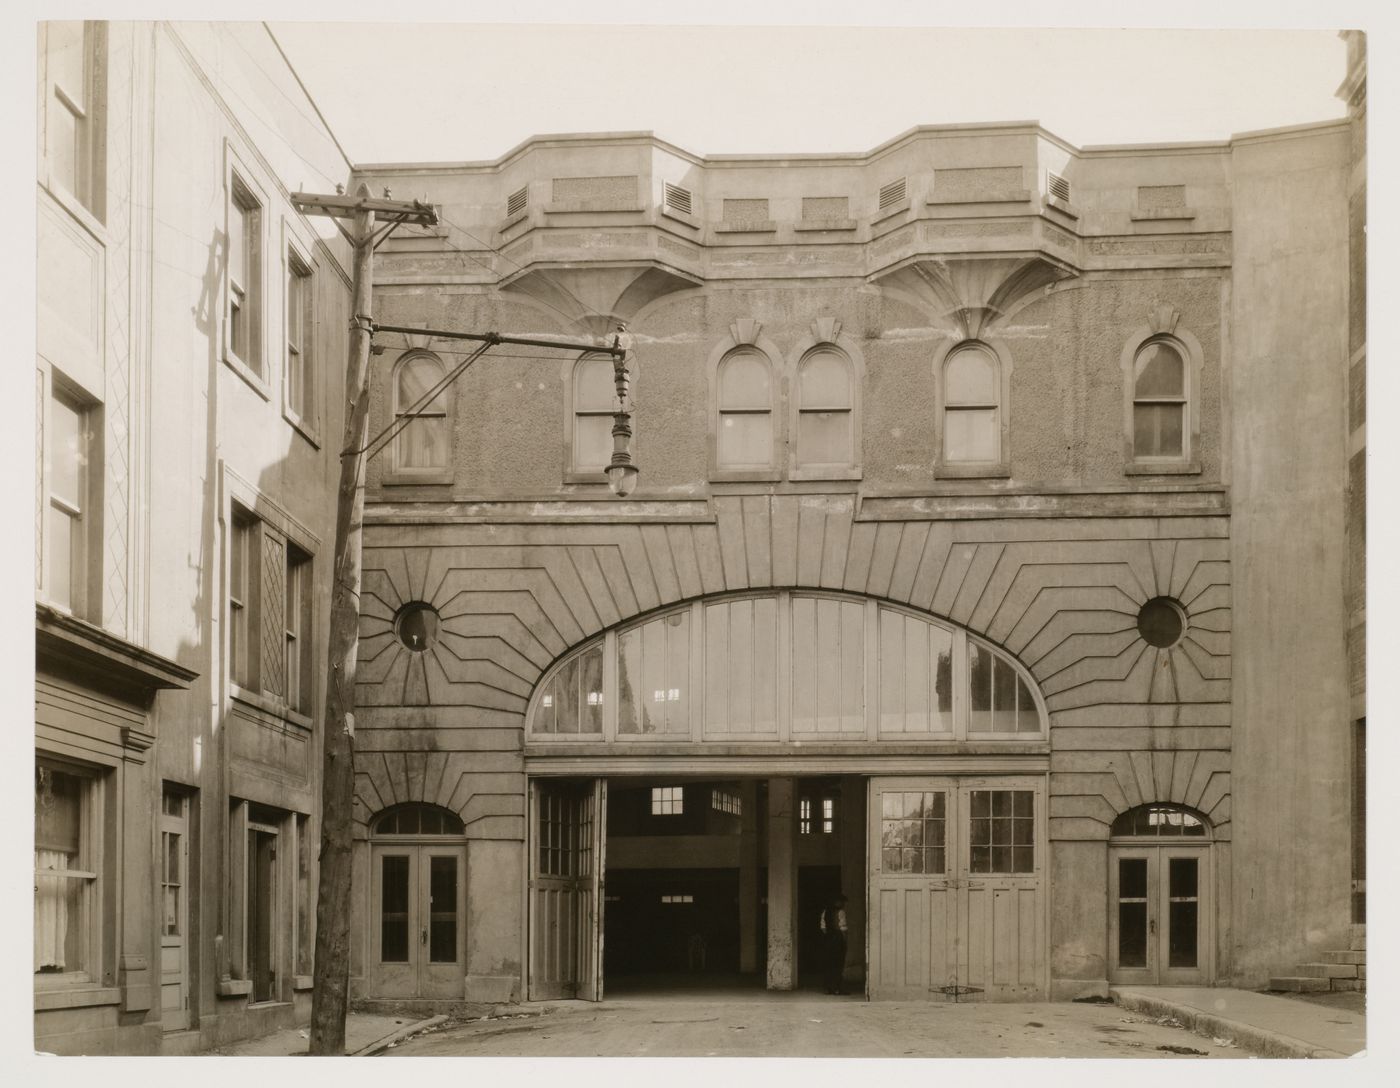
[744, 400]
[787, 666]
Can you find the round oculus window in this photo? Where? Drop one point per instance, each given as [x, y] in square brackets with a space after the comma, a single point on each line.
[417, 625]
[1161, 622]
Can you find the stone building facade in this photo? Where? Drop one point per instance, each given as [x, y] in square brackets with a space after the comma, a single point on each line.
[985, 564]
[190, 339]
[997, 559]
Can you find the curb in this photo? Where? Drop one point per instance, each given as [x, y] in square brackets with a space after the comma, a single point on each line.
[1261, 1041]
[398, 1036]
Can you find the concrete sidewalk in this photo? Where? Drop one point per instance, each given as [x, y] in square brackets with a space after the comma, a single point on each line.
[364, 1033]
[1274, 1027]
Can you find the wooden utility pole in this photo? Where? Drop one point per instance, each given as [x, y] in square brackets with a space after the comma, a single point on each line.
[331, 980]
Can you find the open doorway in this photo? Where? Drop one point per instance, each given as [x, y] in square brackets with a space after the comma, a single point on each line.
[675, 872]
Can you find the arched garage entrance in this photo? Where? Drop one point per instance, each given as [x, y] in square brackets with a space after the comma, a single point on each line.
[767, 694]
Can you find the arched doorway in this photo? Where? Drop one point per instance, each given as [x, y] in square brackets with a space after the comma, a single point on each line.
[1161, 913]
[418, 903]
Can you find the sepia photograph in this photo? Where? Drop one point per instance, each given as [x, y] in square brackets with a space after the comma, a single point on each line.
[751, 531]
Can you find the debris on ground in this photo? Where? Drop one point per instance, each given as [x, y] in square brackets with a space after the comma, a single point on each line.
[1034, 1024]
[1173, 1048]
[1092, 999]
[1223, 1042]
[1168, 1021]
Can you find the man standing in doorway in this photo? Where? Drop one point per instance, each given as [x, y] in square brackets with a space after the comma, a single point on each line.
[834, 941]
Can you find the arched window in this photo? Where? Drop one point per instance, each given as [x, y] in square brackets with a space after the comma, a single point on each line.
[787, 665]
[825, 420]
[422, 445]
[972, 406]
[744, 400]
[416, 818]
[1161, 821]
[594, 402]
[1161, 427]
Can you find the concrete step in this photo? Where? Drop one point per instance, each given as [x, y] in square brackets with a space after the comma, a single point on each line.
[1295, 984]
[1358, 937]
[1348, 956]
[1353, 985]
[1327, 970]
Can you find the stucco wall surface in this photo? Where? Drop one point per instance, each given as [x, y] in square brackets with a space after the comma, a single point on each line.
[1290, 700]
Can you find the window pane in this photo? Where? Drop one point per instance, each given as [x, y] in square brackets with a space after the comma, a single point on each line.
[1181, 878]
[970, 377]
[970, 434]
[591, 691]
[568, 708]
[442, 907]
[677, 628]
[238, 256]
[1183, 932]
[1027, 716]
[629, 681]
[1003, 697]
[980, 681]
[423, 443]
[745, 439]
[744, 382]
[66, 58]
[59, 532]
[1159, 372]
[825, 381]
[67, 453]
[1132, 934]
[416, 376]
[1157, 429]
[593, 442]
[59, 902]
[595, 389]
[64, 153]
[393, 921]
[824, 438]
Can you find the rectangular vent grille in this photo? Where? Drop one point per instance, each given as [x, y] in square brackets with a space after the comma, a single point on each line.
[892, 194]
[517, 200]
[678, 198]
[1058, 187]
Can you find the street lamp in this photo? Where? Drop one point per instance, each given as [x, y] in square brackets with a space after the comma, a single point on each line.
[622, 473]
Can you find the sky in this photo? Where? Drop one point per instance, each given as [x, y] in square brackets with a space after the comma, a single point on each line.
[468, 92]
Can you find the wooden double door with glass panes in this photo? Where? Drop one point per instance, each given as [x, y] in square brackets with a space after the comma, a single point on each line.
[1159, 920]
[957, 888]
[568, 840]
[417, 939]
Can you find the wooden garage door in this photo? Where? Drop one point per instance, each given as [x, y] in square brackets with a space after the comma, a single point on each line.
[957, 888]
